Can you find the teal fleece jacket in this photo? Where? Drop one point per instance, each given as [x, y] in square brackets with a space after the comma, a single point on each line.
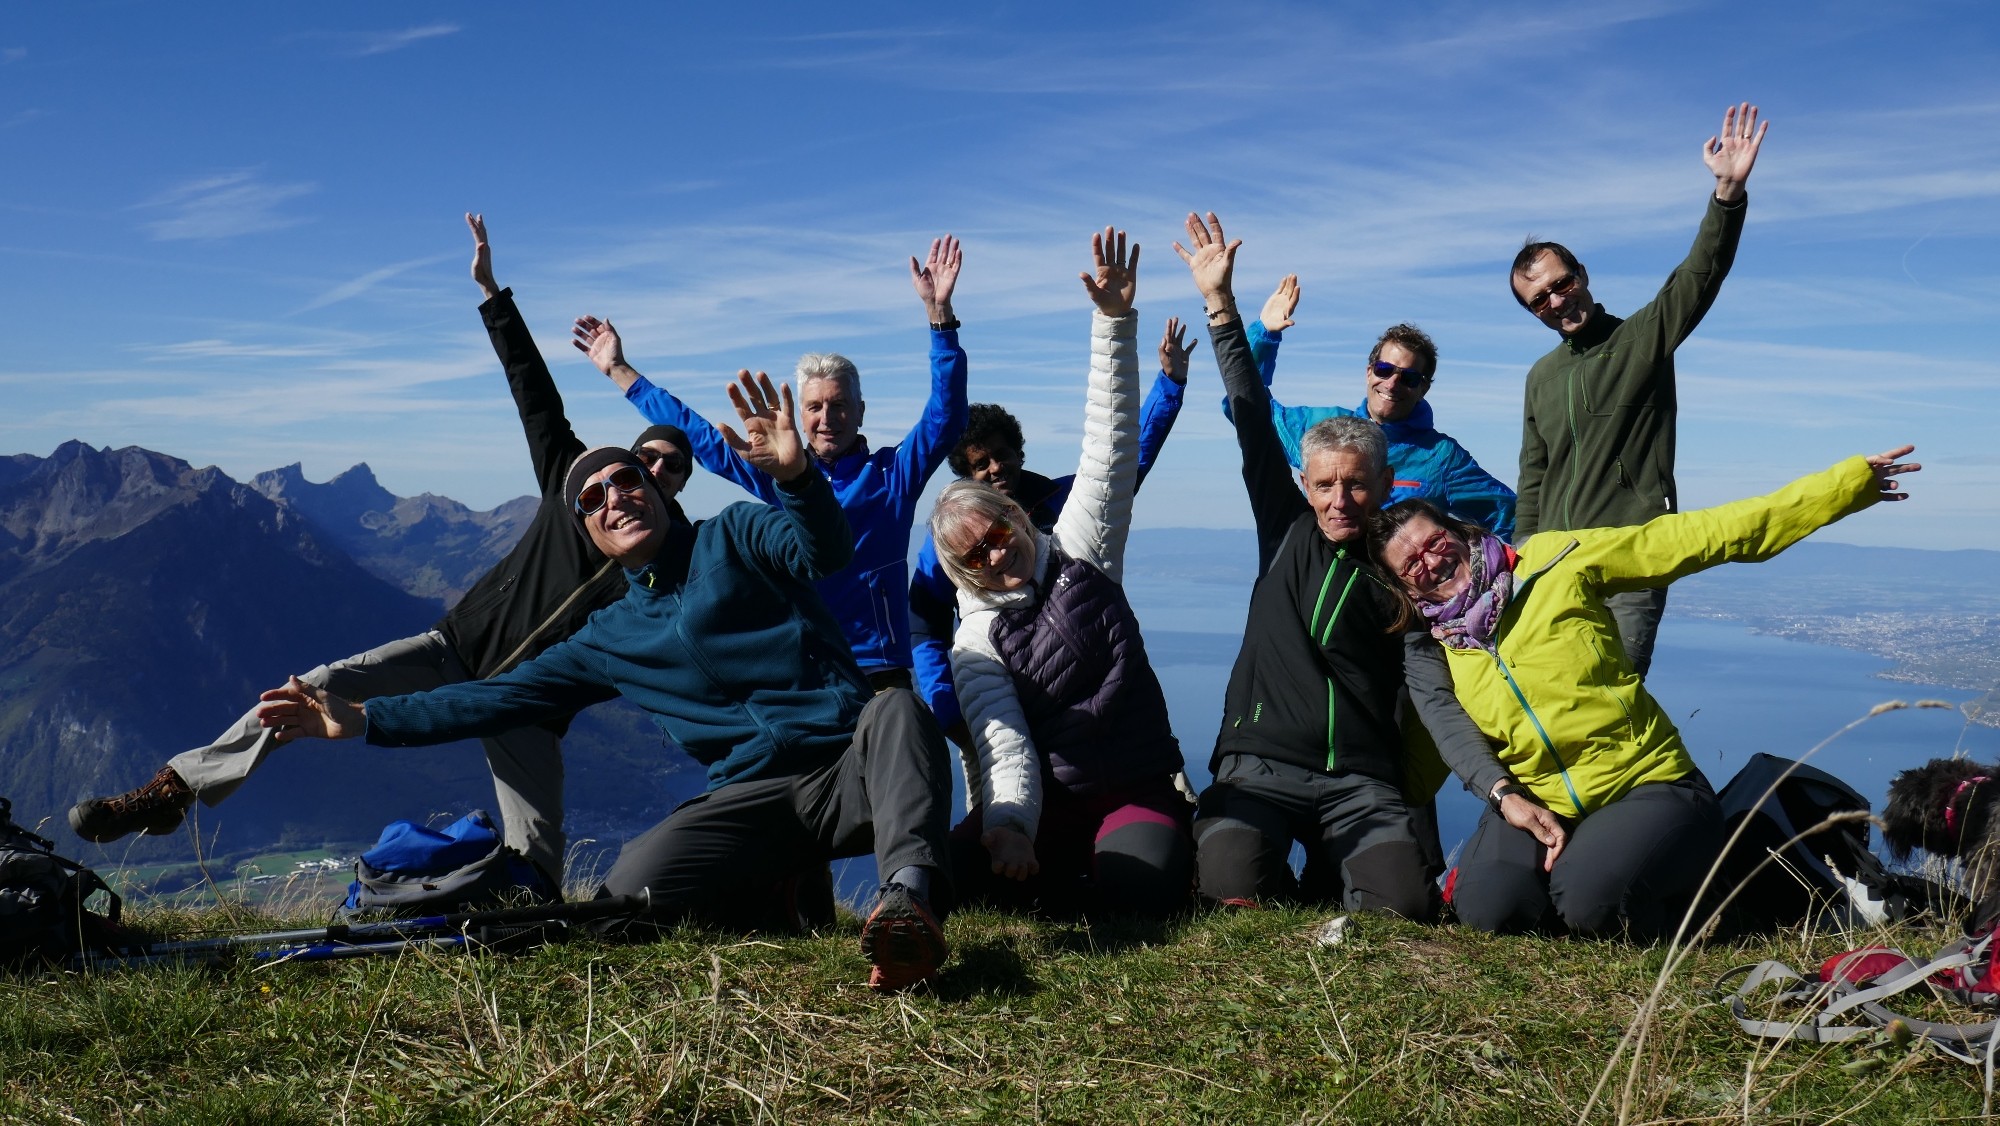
[722, 639]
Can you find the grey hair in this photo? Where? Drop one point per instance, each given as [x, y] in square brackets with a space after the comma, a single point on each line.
[967, 501]
[829, 365]
[1346, 433]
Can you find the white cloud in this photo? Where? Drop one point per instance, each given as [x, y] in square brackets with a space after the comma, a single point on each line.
[368, 281]
[383, 42]
[223, 206]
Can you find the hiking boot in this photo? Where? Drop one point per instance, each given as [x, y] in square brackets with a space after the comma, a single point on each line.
[903, 939]
[156, 807]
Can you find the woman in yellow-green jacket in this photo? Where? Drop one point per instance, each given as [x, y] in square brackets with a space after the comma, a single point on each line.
[1603, 823]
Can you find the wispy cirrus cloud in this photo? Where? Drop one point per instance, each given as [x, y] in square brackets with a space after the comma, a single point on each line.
[223, 206]
[368, 281]
[12, 55]
[383, 42]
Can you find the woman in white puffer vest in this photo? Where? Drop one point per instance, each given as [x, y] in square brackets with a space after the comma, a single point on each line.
[1074, 797]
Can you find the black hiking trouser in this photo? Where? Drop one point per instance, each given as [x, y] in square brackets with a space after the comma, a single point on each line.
[1630, 868]
[1357, 826]
[889, 793]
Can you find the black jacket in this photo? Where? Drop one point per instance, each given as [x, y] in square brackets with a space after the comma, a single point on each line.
[513, 603]
[1317, 680]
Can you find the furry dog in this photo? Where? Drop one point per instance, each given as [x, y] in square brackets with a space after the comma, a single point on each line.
[1945, 807]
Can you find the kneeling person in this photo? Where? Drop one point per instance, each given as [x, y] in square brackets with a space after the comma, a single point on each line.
[1074, 799]
[722, 638]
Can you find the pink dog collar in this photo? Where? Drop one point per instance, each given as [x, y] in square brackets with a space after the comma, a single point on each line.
[1951, 814]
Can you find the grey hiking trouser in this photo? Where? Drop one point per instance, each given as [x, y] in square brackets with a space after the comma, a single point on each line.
[1638, 613]
[1355, 825]
[889, 793]
[526, 762]
[1630, 868]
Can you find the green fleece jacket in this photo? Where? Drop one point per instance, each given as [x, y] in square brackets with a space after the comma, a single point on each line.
[1597, 432]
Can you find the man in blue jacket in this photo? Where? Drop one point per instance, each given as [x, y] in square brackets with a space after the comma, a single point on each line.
[878, 488]
[1426, 462]
[721, 637]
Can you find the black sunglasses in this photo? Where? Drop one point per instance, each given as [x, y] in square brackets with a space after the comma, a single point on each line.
[1383, 369]
[677, 462]
[627, 479]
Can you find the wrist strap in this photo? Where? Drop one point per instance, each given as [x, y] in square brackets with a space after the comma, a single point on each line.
[945, 326]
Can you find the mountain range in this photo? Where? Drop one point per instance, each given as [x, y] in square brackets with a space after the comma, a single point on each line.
[144, 604]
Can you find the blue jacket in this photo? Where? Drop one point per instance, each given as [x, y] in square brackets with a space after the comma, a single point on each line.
[933, 602]
[1426, 462]
[878, 490]
[721, 639]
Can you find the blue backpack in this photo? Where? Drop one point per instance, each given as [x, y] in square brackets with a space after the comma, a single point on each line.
[413, 870]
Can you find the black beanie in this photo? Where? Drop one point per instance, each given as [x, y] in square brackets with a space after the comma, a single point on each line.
[666, 433]
[589, 463]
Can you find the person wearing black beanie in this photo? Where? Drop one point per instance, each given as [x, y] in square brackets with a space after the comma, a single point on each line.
[723, 639]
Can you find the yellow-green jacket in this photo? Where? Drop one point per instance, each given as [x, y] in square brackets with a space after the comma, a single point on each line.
[1570, 719]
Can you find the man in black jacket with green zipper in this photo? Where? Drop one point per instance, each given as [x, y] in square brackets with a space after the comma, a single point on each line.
[1311, 747]
[538, 595]
[1597, 433]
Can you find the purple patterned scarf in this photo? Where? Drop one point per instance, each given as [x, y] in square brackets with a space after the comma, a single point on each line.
[1470, 619]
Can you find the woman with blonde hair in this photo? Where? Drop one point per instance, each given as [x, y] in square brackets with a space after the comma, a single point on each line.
[1074, 791]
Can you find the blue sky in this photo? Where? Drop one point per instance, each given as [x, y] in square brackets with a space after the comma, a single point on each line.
[232, 232]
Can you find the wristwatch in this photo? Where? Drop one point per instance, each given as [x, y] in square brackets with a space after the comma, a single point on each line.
[1501, 792]
[944, 326]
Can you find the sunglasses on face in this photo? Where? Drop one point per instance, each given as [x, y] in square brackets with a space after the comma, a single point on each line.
[998, 536]
[677, 462]
[1383, 369]
[627, 479]
[1563, 287]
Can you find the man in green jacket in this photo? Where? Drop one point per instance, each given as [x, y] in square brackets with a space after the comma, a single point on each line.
[1597, 433]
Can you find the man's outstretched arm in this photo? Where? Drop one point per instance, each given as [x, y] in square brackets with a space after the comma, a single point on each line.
[552, 442]
[600, 341]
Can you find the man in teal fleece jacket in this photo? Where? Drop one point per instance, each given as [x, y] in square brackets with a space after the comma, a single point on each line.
[722, 638]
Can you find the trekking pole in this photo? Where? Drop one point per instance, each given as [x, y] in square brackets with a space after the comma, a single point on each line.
[484, 928]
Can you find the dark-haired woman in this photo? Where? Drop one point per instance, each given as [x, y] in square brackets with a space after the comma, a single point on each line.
[1603, 823]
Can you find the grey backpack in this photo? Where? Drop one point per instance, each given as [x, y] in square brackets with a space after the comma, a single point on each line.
[44, 901]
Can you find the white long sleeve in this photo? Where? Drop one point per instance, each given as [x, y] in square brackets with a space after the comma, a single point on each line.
[1010, 771]
[1098, 515]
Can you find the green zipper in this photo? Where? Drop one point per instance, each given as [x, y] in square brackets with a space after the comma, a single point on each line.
[1326, 635]
[1561, 767]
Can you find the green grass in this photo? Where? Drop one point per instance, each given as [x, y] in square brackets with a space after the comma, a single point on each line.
[1234, 1017]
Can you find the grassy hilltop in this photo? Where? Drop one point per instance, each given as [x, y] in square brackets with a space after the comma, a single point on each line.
[1237, 1017]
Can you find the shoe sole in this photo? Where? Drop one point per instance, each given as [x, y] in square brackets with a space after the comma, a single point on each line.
[906, 948]
[158, 825]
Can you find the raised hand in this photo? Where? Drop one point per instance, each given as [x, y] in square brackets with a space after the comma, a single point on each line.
[1013, 854]
[300, 711]
[1212, 261]
[770, 440]
[1117, 273]
[1173, 353]
[936, 277]
[1733, 153]
[482, 257]
[598, 340]
[1279, 307]
[1887, 468]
